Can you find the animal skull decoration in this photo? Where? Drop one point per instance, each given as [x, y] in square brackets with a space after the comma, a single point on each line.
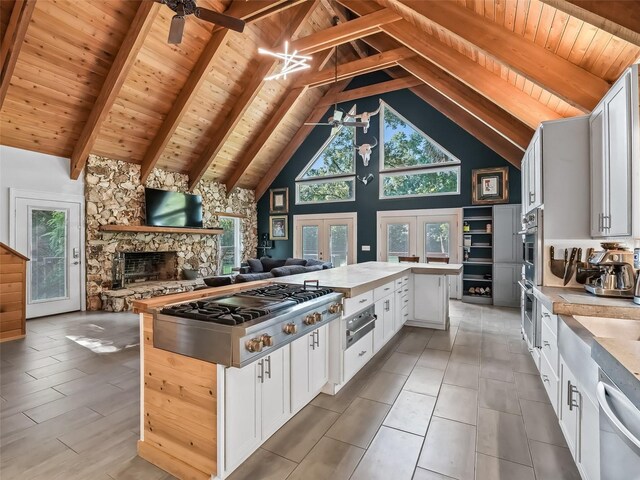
[365, 151]
[365, 117]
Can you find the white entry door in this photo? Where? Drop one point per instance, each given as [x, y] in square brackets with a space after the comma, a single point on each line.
[49, 233]
[326, 238]
[422, 235]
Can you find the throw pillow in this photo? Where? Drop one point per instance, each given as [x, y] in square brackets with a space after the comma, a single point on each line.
[313, 261]
[269, 264]
[290, 270]
[255, 265]
[295, 261]
[312, 268]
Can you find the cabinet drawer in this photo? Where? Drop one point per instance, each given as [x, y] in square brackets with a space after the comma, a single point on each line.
[397, 283]
[356, 356]
[550, 319]
[550, 347]
[357, 303]
[550, 382]
[405, 280]
[383, 291]
[404, 315]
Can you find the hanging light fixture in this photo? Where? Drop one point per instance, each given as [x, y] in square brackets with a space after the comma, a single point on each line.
[292, 62]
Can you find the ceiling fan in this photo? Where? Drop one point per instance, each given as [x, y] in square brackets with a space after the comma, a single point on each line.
[189, 7]
[339, 118]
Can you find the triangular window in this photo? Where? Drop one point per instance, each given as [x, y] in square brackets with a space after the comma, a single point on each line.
[335, 158]
[405, 146]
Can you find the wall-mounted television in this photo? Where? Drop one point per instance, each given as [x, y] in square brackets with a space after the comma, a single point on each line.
[172, 209]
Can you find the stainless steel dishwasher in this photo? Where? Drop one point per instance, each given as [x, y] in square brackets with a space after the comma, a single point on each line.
[619, 433]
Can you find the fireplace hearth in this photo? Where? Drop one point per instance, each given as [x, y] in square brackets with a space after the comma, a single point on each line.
[130, 268]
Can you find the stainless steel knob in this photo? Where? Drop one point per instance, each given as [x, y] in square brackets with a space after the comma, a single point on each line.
[254, 345]
[290, 328]
[335, 308]
[267, 340]
[310, 319]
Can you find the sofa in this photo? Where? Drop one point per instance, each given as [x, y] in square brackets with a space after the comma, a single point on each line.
[266, 267]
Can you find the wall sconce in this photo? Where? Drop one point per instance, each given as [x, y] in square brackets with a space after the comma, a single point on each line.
[366, 179]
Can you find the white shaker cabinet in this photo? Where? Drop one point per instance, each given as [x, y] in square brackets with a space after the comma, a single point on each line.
[257, 403]
[309, 367]
[532, 169]
[612, 126]
[430, 301]
[506, 291]
[385, 322]
[507, 243]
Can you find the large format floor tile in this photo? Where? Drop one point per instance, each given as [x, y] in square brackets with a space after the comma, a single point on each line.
[359, 423]
[449, 449]
[383, 387]
[265, 466]
[541, 423]
[424, 380]
[530, 387]
[492, 468]
[497, 395]
[457, 403]
[502, 435]
[411, 412]
[551, 462]
[328, 460]
[462, 375]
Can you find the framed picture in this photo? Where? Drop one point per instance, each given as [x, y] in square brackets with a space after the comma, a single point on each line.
[279, 200]
[490, 185]
[278, 227]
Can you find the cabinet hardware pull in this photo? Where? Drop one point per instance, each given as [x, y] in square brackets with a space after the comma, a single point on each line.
[546, 344]
[363, 300]
[362, 353]
[313, 340]
[545, 378]
[261, 374]
[268, 360]
[387, 288]
[316, 335]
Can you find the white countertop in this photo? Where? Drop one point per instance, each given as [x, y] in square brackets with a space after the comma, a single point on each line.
[360, 277]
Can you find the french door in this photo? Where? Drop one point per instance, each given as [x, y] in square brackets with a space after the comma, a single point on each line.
[330, 238]
[49, 233]
[428, 234]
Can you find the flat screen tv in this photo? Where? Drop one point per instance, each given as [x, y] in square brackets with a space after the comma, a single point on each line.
[172, 209]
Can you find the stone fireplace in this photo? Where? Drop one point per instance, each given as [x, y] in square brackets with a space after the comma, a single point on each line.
[130, 268]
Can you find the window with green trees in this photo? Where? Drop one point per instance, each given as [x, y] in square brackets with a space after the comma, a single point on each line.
[330, 175]
[412, 164]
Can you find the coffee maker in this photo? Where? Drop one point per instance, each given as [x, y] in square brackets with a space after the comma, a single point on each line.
[612, 274]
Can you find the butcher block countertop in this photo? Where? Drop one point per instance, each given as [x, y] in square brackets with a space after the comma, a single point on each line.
[577, 301]
[358, 278]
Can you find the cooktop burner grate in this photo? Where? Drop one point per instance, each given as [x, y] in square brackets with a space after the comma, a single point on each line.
[212, 312]
[286, 292]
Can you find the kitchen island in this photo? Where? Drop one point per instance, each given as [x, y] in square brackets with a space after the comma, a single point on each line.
[201, 420]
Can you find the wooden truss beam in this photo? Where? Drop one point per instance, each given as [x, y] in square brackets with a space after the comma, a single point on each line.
[620, 18]
[249, 92]
[491, 86]
[299, 137]
[252, 11]
[133, 40]
[372, 63]
[573, 84]
[208, 57]
[400, 83]
[12, 42]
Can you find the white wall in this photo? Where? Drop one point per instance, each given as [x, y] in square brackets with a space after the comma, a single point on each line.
[32, 171]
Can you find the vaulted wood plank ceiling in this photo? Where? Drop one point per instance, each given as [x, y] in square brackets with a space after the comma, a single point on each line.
[99, 77]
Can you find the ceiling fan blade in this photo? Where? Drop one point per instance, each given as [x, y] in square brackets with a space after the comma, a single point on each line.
[176, 30]
[354, 124]
[318, 123]
[232, 23]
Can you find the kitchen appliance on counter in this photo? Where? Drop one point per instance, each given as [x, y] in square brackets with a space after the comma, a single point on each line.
[619, 433]
[235, 330]
[612, 273]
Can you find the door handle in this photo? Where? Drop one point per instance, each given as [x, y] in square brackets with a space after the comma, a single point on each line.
[75, 263]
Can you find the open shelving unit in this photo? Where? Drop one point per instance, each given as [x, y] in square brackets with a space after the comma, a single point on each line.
[478, 242]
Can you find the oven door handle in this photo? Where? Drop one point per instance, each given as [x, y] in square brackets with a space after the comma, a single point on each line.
[351, 333]
[527, 290]
[602, 390]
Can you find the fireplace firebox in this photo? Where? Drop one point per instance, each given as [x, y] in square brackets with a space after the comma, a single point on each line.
[137, 267]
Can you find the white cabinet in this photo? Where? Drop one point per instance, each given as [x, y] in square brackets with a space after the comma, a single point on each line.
[385, 323]
[569, 406]
[507, 244]
[532, 174]
[430, 301]
[309, 367]
[612, 136]
[506, 291]
[257, 403]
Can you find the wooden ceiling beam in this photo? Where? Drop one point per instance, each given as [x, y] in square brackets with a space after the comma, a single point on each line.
[372, 63]
[620, 18]
[125, 58]
[568, 81]
[341, 12]
[196, 78]
[252, 11]
[249, 92]
[491, 86]
[300, 136]
[407, 81]
[344, 32]
[12, 42]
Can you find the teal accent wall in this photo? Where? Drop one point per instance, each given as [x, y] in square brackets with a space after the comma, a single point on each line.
[472, 153]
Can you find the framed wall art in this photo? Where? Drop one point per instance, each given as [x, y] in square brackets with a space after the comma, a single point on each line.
[279, 200]
[278, 227]
[490, 185]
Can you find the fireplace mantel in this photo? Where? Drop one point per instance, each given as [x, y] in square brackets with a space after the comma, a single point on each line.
[150, 229]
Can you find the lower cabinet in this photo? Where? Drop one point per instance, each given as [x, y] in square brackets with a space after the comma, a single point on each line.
[257, 403]
[506, 291]
[309, 367]
[385, 323]
[431, 301]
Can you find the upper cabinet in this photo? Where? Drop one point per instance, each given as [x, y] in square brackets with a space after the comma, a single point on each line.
[532, 187]
[614, 133]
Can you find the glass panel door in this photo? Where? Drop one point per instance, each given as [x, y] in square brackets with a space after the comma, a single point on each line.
[338, 245]
[320, 237]
[440, 238]
[310, 242]
[436, 240]
[397, 239]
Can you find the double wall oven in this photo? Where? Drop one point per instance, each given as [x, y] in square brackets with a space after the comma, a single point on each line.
[531, 275]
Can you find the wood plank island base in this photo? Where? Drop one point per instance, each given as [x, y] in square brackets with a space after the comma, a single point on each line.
[201, 420]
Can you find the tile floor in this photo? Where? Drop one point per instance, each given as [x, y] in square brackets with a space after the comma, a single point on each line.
[463, 404]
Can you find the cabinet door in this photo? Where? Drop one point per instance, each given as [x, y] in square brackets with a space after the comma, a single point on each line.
[319, 361]
[378, 331]
[300, 387]
[598, 173]
[589, 451]
[276, 405]
[569, 406]
[397, 315]
[242, 409]
[429, 301]
[505, 288]
[389, 314]
[618, 142]
[524, 187]
[507, 247]
[537, 170]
